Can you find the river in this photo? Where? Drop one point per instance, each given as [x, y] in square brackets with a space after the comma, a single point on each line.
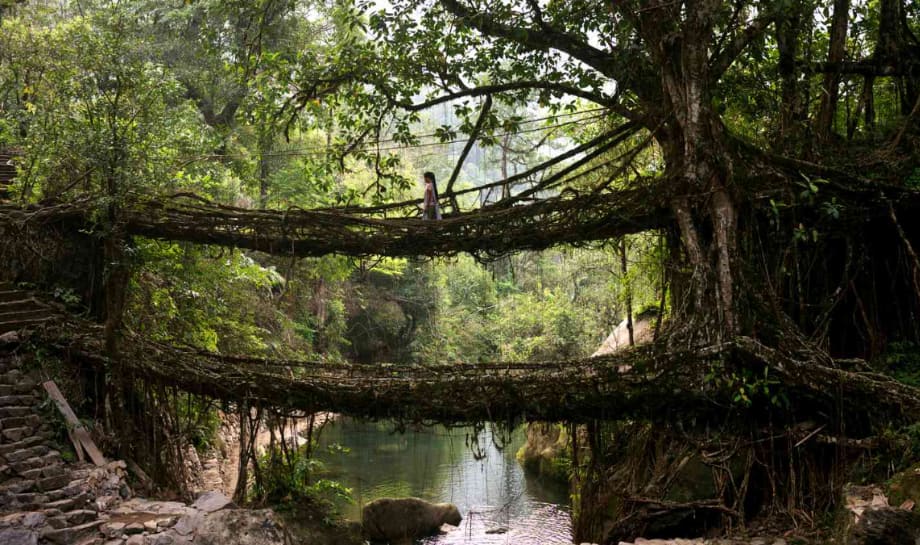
[435, 463]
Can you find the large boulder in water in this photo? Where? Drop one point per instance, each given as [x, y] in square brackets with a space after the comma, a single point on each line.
[398, 521]
[887, 527]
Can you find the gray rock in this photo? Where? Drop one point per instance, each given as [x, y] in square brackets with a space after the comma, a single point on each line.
[104, 503]
[390, 519]
[18, 536]
[241, 527]
[33, 520]
[167, 522]
[188, 524]
[886, 527]
[135, 540]
[161, 539]
[66, 536]
[211, 501]
[112, 529]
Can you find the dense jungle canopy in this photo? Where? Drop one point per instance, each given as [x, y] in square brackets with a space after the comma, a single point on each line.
[246, 180]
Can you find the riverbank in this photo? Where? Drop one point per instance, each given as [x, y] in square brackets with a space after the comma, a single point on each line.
[473, 469]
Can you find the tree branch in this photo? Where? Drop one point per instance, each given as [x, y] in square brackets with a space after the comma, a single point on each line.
[483, 114]
[597, 98]
[548, 38]
[727, 56]
[866, 68]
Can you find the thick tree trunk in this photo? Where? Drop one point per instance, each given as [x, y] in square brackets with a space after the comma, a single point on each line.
[835, 54]
[697, 160]
[788, 30]
[706, 216]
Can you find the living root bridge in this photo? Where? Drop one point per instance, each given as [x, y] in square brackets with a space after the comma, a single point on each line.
[492, 230]
[646, 382]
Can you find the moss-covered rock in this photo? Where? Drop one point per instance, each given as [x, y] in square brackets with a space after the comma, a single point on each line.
[546, 451]
[905, 486]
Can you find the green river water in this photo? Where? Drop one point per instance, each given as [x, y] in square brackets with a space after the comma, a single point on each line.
[436, 464]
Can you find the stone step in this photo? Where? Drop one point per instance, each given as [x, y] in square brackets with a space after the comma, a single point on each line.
[79, 501]
[11, 451]
[20, 454]
[16, 410]
[29, 464]
[72, 518]
[68, 490]
[54, 470]
[14, 435]
[21, 304]
[32, 474]
[13, 295]
[28, 420]
[80, 516]
[48, 461]
[24, 501]
[74, 534]
[57, 484]
[18, 384]
[6, 327]
[17, 401]
[25, 314]
[17, 486]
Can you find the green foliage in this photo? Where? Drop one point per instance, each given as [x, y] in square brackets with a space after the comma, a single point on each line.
[913, 181]
[182, 294]
[902, 361]
[199, 420]
[746, 385]
[292, 476]
[559, 304]
[95, 114]
[66, 296]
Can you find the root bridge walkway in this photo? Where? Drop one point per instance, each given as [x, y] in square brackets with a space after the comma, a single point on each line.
[654, 382]
[493, 230]
[645, 382]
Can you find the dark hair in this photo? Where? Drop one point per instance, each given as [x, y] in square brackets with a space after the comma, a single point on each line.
[429, 175]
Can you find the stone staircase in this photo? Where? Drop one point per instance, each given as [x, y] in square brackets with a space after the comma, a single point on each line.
[7, 173]
[42, 499]
[21, 310]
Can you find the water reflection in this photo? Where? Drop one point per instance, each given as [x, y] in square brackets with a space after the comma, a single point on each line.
[436, 464]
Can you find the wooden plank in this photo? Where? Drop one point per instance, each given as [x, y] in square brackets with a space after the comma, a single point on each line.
[140, 473]
[76, 445]
[73, 423]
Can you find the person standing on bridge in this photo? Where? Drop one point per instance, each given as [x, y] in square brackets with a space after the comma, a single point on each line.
[431, 210]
